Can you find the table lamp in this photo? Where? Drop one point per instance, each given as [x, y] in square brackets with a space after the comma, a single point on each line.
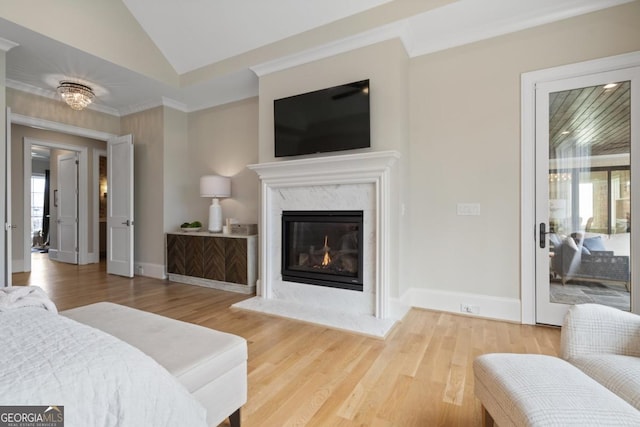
[215, 186]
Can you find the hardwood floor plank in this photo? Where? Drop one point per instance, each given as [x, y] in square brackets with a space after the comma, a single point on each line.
[300, 374]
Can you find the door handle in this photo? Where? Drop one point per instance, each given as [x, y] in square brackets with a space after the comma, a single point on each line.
[127, 223]
[543, 234]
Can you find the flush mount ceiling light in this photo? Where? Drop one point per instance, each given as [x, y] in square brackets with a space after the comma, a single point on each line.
[76, 95]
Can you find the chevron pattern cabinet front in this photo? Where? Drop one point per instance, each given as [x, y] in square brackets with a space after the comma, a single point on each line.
[221, 261]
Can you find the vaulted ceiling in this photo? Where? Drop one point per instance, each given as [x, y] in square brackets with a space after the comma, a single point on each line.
[195, 54]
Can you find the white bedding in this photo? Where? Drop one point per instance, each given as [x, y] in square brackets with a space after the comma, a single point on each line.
[25, 296]
[48, 359]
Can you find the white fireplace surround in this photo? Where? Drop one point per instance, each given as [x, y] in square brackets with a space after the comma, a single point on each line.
[360, 181]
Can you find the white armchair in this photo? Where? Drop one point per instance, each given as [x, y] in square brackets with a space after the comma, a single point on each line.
[604, 342]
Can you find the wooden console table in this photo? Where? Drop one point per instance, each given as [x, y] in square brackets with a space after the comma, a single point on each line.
[222, 261]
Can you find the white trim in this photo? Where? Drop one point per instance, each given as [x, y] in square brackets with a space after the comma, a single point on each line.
[367, 38]
[19, 119]
[456, 24]
[527, 161]
[7, 45]
[156, 271]
[52, 94]
[95, 255]
[469, 21]
[162, 102]
[499, 308]
[370, 167]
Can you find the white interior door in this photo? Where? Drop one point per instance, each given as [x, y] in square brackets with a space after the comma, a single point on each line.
[67, 209]
[120, 231]
[587, 143]
[5, 207]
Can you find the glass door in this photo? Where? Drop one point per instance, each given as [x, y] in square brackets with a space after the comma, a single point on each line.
[585, 137]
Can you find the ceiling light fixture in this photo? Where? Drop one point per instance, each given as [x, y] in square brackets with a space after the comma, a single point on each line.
[610, 85]
[76, 95]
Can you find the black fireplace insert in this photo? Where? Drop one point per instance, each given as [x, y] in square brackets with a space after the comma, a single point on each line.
[323, 248]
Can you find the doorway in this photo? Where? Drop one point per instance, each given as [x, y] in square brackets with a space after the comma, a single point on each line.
[69, 218]
[585, 139]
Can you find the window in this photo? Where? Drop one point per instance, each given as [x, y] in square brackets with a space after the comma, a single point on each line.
[37, 203]
[596, 200]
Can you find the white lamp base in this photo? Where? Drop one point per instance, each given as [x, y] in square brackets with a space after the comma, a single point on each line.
[215, 216]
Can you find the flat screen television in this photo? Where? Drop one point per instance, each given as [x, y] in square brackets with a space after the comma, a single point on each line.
[332, 119]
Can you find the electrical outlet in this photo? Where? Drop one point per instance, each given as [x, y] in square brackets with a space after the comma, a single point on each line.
[470, 309]
[139, 270]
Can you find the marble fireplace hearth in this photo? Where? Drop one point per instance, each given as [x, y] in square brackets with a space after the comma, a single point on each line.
[352, 182]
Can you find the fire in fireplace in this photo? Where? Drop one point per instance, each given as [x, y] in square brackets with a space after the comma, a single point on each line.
[323, 248]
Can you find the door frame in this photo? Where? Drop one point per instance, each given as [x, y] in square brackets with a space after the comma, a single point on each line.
[528, 229]
[96, 202]
[65, 129]
[82, 198]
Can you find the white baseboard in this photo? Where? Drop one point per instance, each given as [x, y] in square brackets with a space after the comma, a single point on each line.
[499, 308]
[149, 270]
[398, 308]
[93, 258]
[17, 266]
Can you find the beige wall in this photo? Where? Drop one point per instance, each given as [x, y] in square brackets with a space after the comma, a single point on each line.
[18, 133]
[223, 141]
[454, 115]
[465, 147]
[177, 169]
[148, 140]
[93, 31]
[386, 65]
[30, 105]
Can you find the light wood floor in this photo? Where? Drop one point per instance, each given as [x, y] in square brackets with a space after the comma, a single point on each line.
[302, 374]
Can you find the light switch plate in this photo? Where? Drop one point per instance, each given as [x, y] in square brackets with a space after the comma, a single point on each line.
[468, 208]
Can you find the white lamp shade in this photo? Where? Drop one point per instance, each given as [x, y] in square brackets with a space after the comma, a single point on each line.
[215, 186]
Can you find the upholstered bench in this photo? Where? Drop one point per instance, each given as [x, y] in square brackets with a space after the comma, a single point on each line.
[212, 365]
[539, 390]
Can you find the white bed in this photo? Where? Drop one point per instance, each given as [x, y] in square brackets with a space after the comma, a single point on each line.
[48, 359]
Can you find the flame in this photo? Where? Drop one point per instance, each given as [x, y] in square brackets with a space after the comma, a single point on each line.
[327, 259]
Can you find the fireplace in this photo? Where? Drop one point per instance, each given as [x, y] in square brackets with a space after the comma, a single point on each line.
[323, 248]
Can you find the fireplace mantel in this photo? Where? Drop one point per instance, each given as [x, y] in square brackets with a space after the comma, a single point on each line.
[364, 178]
[342, 168]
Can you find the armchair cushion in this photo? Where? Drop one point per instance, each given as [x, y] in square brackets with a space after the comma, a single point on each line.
[594, 244]
[597, 329]
[620, 374]
[604, 343]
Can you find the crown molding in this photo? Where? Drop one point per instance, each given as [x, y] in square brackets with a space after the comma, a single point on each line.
[368, 38]
[456, 24]
[33, 90]
[20, 119]
[163, 101]
[7, 45]
[470, 21]
[176, 105]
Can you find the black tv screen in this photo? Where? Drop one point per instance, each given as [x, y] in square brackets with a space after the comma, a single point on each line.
[331, 119]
